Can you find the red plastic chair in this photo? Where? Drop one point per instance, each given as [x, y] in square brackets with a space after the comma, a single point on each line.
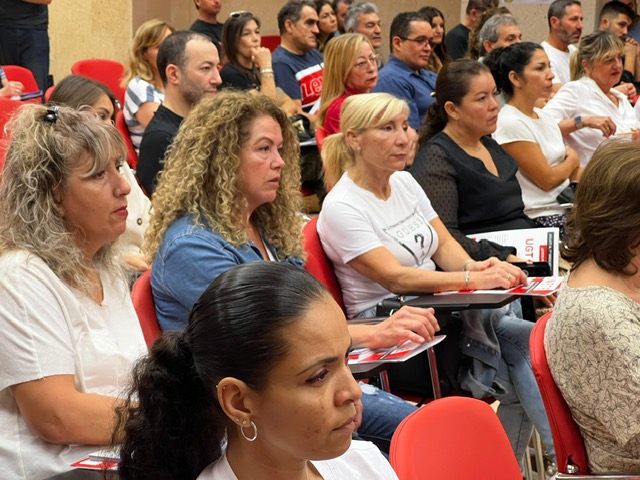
[108, 72]
[318, 264]
[16, 73]
[270, 41]
[321, 134]
[7, 107]
[453, 438]
[145, 308]
[132, 156]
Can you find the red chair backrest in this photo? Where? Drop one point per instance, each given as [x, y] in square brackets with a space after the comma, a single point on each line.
[321, 134]
[318, 264]
[566, 435]
[16, 73]
[453, 438]
[106, 71]
[132, 156]
[7, 107]
[145, 308]
[270, 41]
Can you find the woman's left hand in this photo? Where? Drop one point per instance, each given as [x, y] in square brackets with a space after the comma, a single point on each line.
[549, 301]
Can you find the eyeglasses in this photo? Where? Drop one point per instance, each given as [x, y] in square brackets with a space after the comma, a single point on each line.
[52, 115]
[420, 41]
[239, 13]
[372, 60]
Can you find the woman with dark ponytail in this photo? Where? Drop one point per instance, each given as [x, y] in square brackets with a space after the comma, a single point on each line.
[257, 386]
[469, 179]
[523, 75]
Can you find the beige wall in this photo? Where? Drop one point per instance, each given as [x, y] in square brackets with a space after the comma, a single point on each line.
[102, 28]
[81, 29]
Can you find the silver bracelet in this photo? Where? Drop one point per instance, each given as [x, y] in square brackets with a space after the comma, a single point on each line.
[467, 277]
[464, 265]
[267, 70]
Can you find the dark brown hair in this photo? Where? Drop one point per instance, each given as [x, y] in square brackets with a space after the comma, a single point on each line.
[604, 224]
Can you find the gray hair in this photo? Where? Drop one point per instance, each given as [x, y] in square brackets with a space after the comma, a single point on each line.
[489, 30]
[353, 14]
[46, 145]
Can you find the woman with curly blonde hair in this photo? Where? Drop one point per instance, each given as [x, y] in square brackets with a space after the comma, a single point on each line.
[144, 87]
[229, 194]
[68, 330]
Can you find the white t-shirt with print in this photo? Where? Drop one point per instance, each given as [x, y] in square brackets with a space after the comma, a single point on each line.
[353, 221]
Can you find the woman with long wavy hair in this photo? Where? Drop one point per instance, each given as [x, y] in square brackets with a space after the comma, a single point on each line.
[68, 330]
[229, 194]
[350, 67]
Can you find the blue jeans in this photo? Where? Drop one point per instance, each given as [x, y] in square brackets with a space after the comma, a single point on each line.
[382, 413]
[521, 408]
[28, 48]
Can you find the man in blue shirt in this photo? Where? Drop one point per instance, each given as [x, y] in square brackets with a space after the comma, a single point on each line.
[405, 74]
[297, 64]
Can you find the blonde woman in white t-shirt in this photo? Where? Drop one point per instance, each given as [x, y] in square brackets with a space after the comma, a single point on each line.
[545, 165]
[68, 329]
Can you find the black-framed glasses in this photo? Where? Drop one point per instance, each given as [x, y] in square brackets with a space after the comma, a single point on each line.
[365, 62]
[420, 41]
[51, 116]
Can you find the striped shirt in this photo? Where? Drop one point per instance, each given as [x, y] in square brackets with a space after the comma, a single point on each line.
[138, 92]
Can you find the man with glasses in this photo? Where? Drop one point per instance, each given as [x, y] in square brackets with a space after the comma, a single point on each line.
[405, 74]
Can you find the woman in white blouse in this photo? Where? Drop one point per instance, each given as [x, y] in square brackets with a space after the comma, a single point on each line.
[588, 109]
[545, 166]
[68, 329]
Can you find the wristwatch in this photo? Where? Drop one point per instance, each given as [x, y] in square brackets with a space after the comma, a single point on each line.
[578, 121]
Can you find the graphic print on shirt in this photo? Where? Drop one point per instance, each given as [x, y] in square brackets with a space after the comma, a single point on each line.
[414, 234]
[310, 80]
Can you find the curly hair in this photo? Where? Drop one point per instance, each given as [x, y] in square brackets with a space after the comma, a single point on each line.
[202, 175]
[41, 155]
[149, 34]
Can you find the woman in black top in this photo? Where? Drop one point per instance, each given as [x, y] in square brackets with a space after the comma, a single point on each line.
[470, 180]
[248, 64]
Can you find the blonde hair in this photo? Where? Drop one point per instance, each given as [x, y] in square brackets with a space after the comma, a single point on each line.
[359, 113]
[44, 149]
[149, 34]
[202, 178]
[339, 57]
[598, 46]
